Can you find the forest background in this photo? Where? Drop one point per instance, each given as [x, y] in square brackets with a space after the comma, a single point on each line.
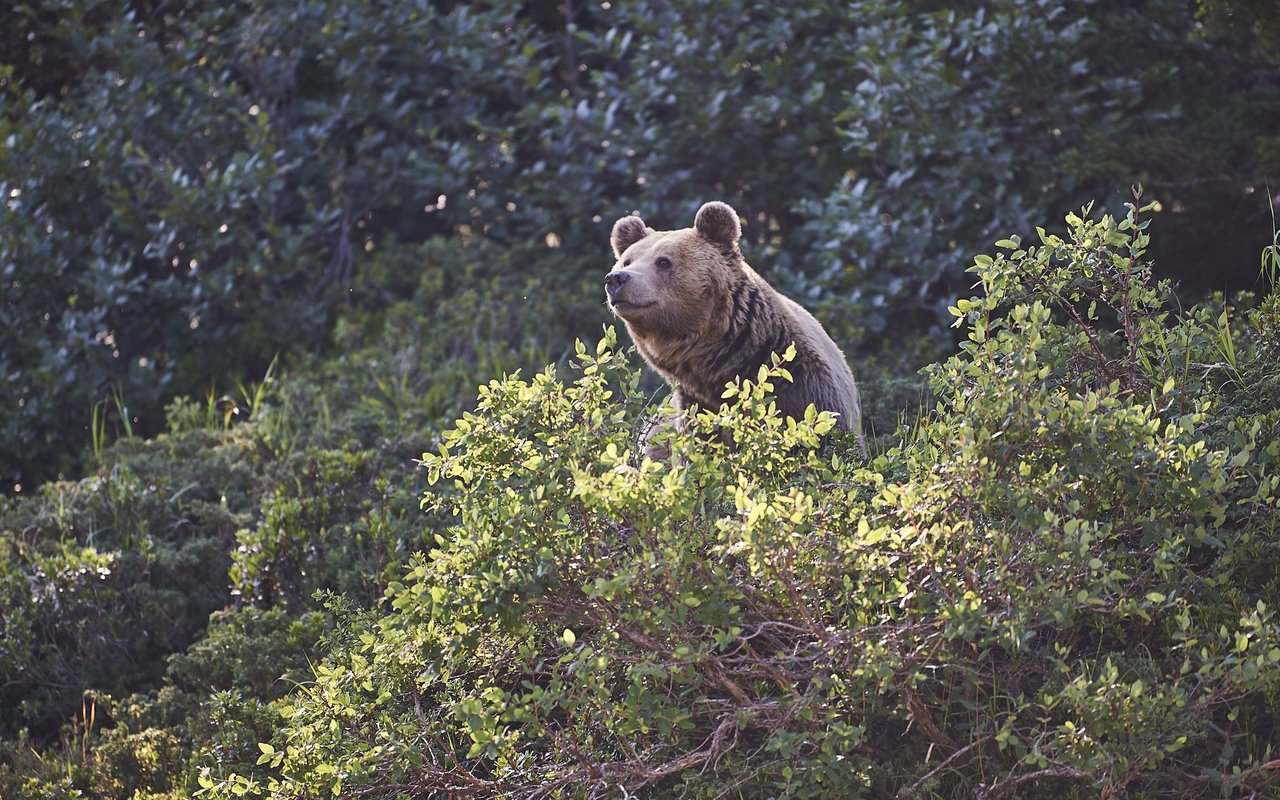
[257, 258]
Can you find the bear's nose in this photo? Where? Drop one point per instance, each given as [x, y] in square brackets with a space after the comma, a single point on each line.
[614, 280]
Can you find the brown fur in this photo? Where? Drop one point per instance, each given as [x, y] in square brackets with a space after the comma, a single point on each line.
[701, 317]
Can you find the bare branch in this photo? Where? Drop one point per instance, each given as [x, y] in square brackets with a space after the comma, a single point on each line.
[997, 790]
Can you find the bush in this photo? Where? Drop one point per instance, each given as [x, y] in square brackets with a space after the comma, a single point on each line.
[1060, 580]
[215, 701]
[102, 578]
[981, 119]
[250, 504]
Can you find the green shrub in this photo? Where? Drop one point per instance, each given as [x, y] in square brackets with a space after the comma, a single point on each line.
[213, 708]
[102, 578]
[334, 527]
[256, 498]
[1059, 581]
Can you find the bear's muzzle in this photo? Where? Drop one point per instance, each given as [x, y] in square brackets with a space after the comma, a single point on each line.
[615, 281]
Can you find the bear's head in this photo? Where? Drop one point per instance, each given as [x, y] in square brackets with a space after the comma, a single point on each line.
[670, 283]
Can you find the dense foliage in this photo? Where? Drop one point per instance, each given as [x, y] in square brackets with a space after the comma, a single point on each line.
[256, 260]
[189, 188]
[1060, 581]
[1061, 578]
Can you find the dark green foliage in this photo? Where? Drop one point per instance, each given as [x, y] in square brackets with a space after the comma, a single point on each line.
[254, 651]
[188, 189]
[104, 577]
[979, 121]
[138, 250]
[330, 524]
[215, 700]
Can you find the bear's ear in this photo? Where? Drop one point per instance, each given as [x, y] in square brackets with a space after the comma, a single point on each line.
[626, 232]
[718, 222]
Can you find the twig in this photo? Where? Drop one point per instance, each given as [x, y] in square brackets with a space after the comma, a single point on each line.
[950, 760]
[920, 716]
[1002, 788]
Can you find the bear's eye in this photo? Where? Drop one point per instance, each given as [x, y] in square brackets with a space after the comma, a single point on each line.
[663, 262]
[626, 262]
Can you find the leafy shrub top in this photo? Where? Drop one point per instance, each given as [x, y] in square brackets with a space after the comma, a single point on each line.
[1060, 580]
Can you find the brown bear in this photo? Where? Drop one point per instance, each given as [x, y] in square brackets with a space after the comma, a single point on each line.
[702, 317]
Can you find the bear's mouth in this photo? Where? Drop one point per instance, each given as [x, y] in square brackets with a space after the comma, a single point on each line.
[626, 305]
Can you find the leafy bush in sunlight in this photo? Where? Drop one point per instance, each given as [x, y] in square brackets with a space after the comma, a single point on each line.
[107, 584]
[1060, 581]
[253, 501]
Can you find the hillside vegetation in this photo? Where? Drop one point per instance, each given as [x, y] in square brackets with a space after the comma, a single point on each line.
[1059, 581]
[263, 536]
[1061, 577]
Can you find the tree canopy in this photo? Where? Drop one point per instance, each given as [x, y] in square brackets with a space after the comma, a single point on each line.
[191, 188]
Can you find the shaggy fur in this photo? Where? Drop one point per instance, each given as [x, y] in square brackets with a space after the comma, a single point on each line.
[702, 317]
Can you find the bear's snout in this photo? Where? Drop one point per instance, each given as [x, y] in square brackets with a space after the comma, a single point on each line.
[614, 281]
